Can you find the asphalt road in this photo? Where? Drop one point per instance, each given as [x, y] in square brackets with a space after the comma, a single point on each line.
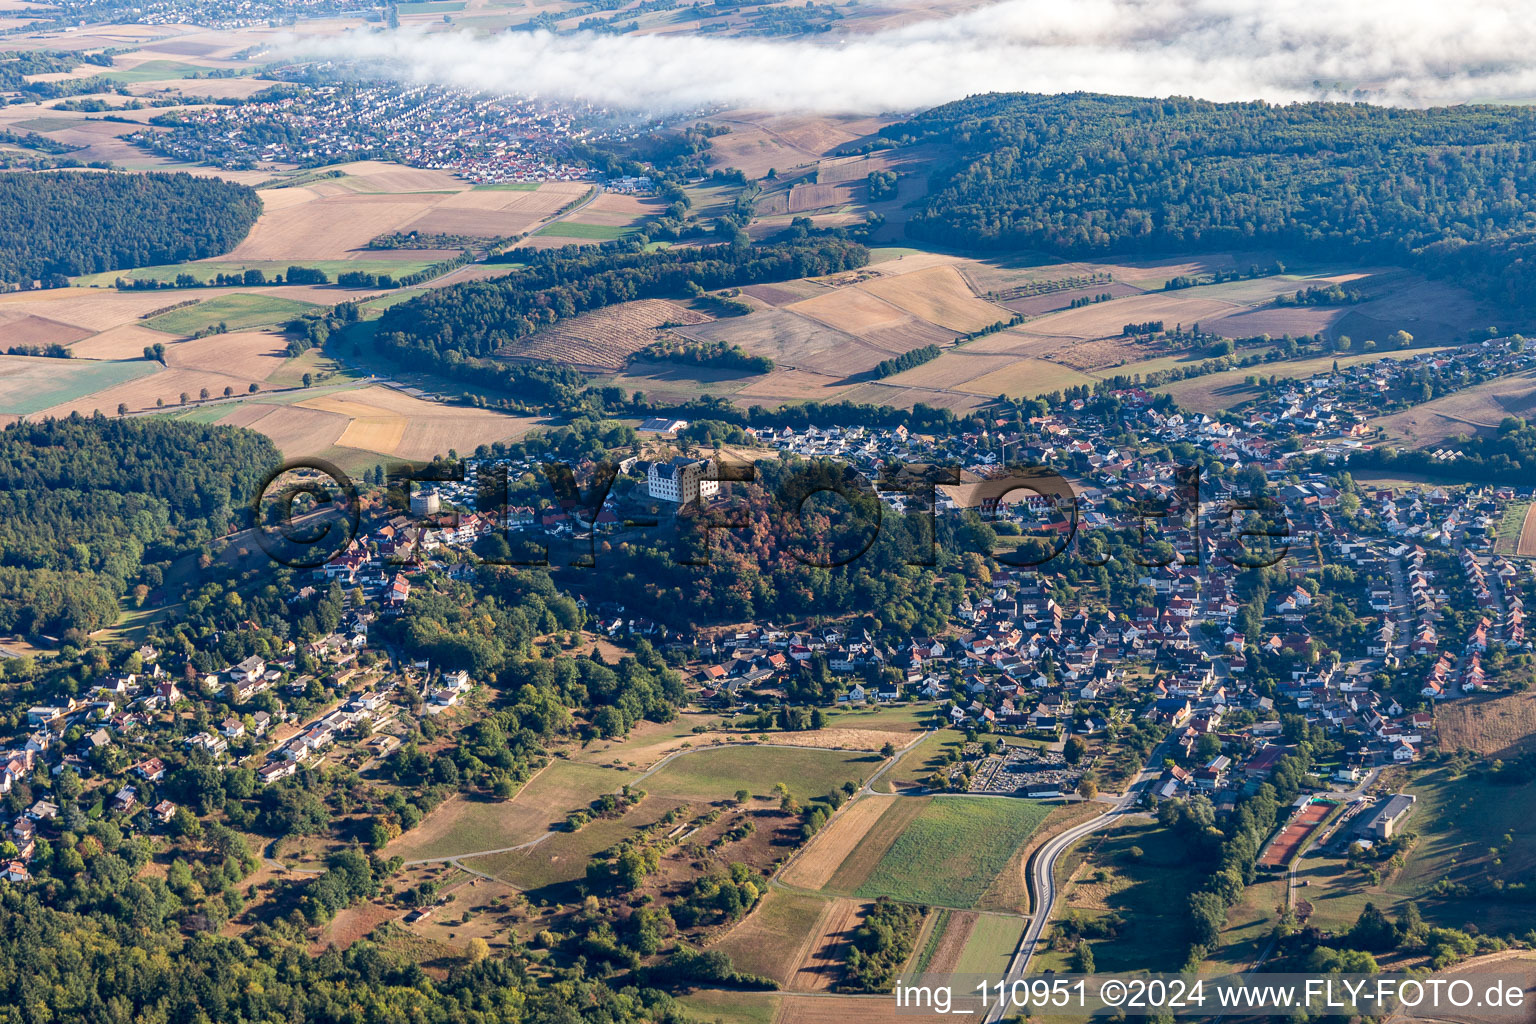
[1042, 867]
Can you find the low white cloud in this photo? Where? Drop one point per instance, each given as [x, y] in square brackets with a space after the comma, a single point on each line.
[1401, 52]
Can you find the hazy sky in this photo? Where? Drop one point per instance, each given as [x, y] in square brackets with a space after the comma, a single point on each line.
[1407, 52]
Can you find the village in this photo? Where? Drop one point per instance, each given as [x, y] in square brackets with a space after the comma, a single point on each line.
[485, 140]
[1390, 601]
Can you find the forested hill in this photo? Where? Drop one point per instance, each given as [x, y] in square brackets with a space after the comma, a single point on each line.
[91, 507]
[67, 223]
[478, 317]
[1452, 190]
[458, 330]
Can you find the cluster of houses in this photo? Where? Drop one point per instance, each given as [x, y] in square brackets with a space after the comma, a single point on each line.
[483, 140]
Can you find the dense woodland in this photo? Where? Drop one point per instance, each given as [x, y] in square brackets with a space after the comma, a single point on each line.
[1451, 190]
[61, 224]
[87, 504]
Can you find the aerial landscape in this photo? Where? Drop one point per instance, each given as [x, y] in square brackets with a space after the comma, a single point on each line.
[628, 511]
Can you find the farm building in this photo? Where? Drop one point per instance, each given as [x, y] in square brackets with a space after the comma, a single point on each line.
[1390, 816]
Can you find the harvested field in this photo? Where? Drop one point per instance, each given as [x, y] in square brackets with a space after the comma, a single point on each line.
[1276, 321]
[18, 328]
[332, 227]
[251, 355]
[1293, 836]
[1026, 378]
[31, 385]
[904, 337]
[803, 198]
[1107, 319]
[1051, 302]
[1526, 548]
[785, 293]
[852, 310]
[1469, 411]
[792, 341]
[938, 295]
[852, 168]
[759, 141]
[789, 386]
[397, 424]
[95, 310]
[952, 369]
[125, 342]
[142, 392]
[842, 739]
[614, 209]
[1495, 726]
[876, 842]
[777, 936]
[603, 339]
[822, 965]
[815, 865]
[880, 393]
[296, 431]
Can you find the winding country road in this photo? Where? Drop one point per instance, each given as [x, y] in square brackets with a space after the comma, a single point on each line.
[1042, 868]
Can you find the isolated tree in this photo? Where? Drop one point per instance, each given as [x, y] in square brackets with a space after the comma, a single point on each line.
[122, 408]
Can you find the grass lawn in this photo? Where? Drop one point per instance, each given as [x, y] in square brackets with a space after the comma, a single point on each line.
[466, 826]
[237, 312]
[920, 762]
[951, 852]
[990, 946]
[563, 857]
[894, 718]
[152, 71]
[1461, 822]
[508, 186]
[1507, 538]
[374, 307]
[1249, 924]
[314, 362]
[592, 232]
[1150, 892]
[731, 1007]
[716, 773]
